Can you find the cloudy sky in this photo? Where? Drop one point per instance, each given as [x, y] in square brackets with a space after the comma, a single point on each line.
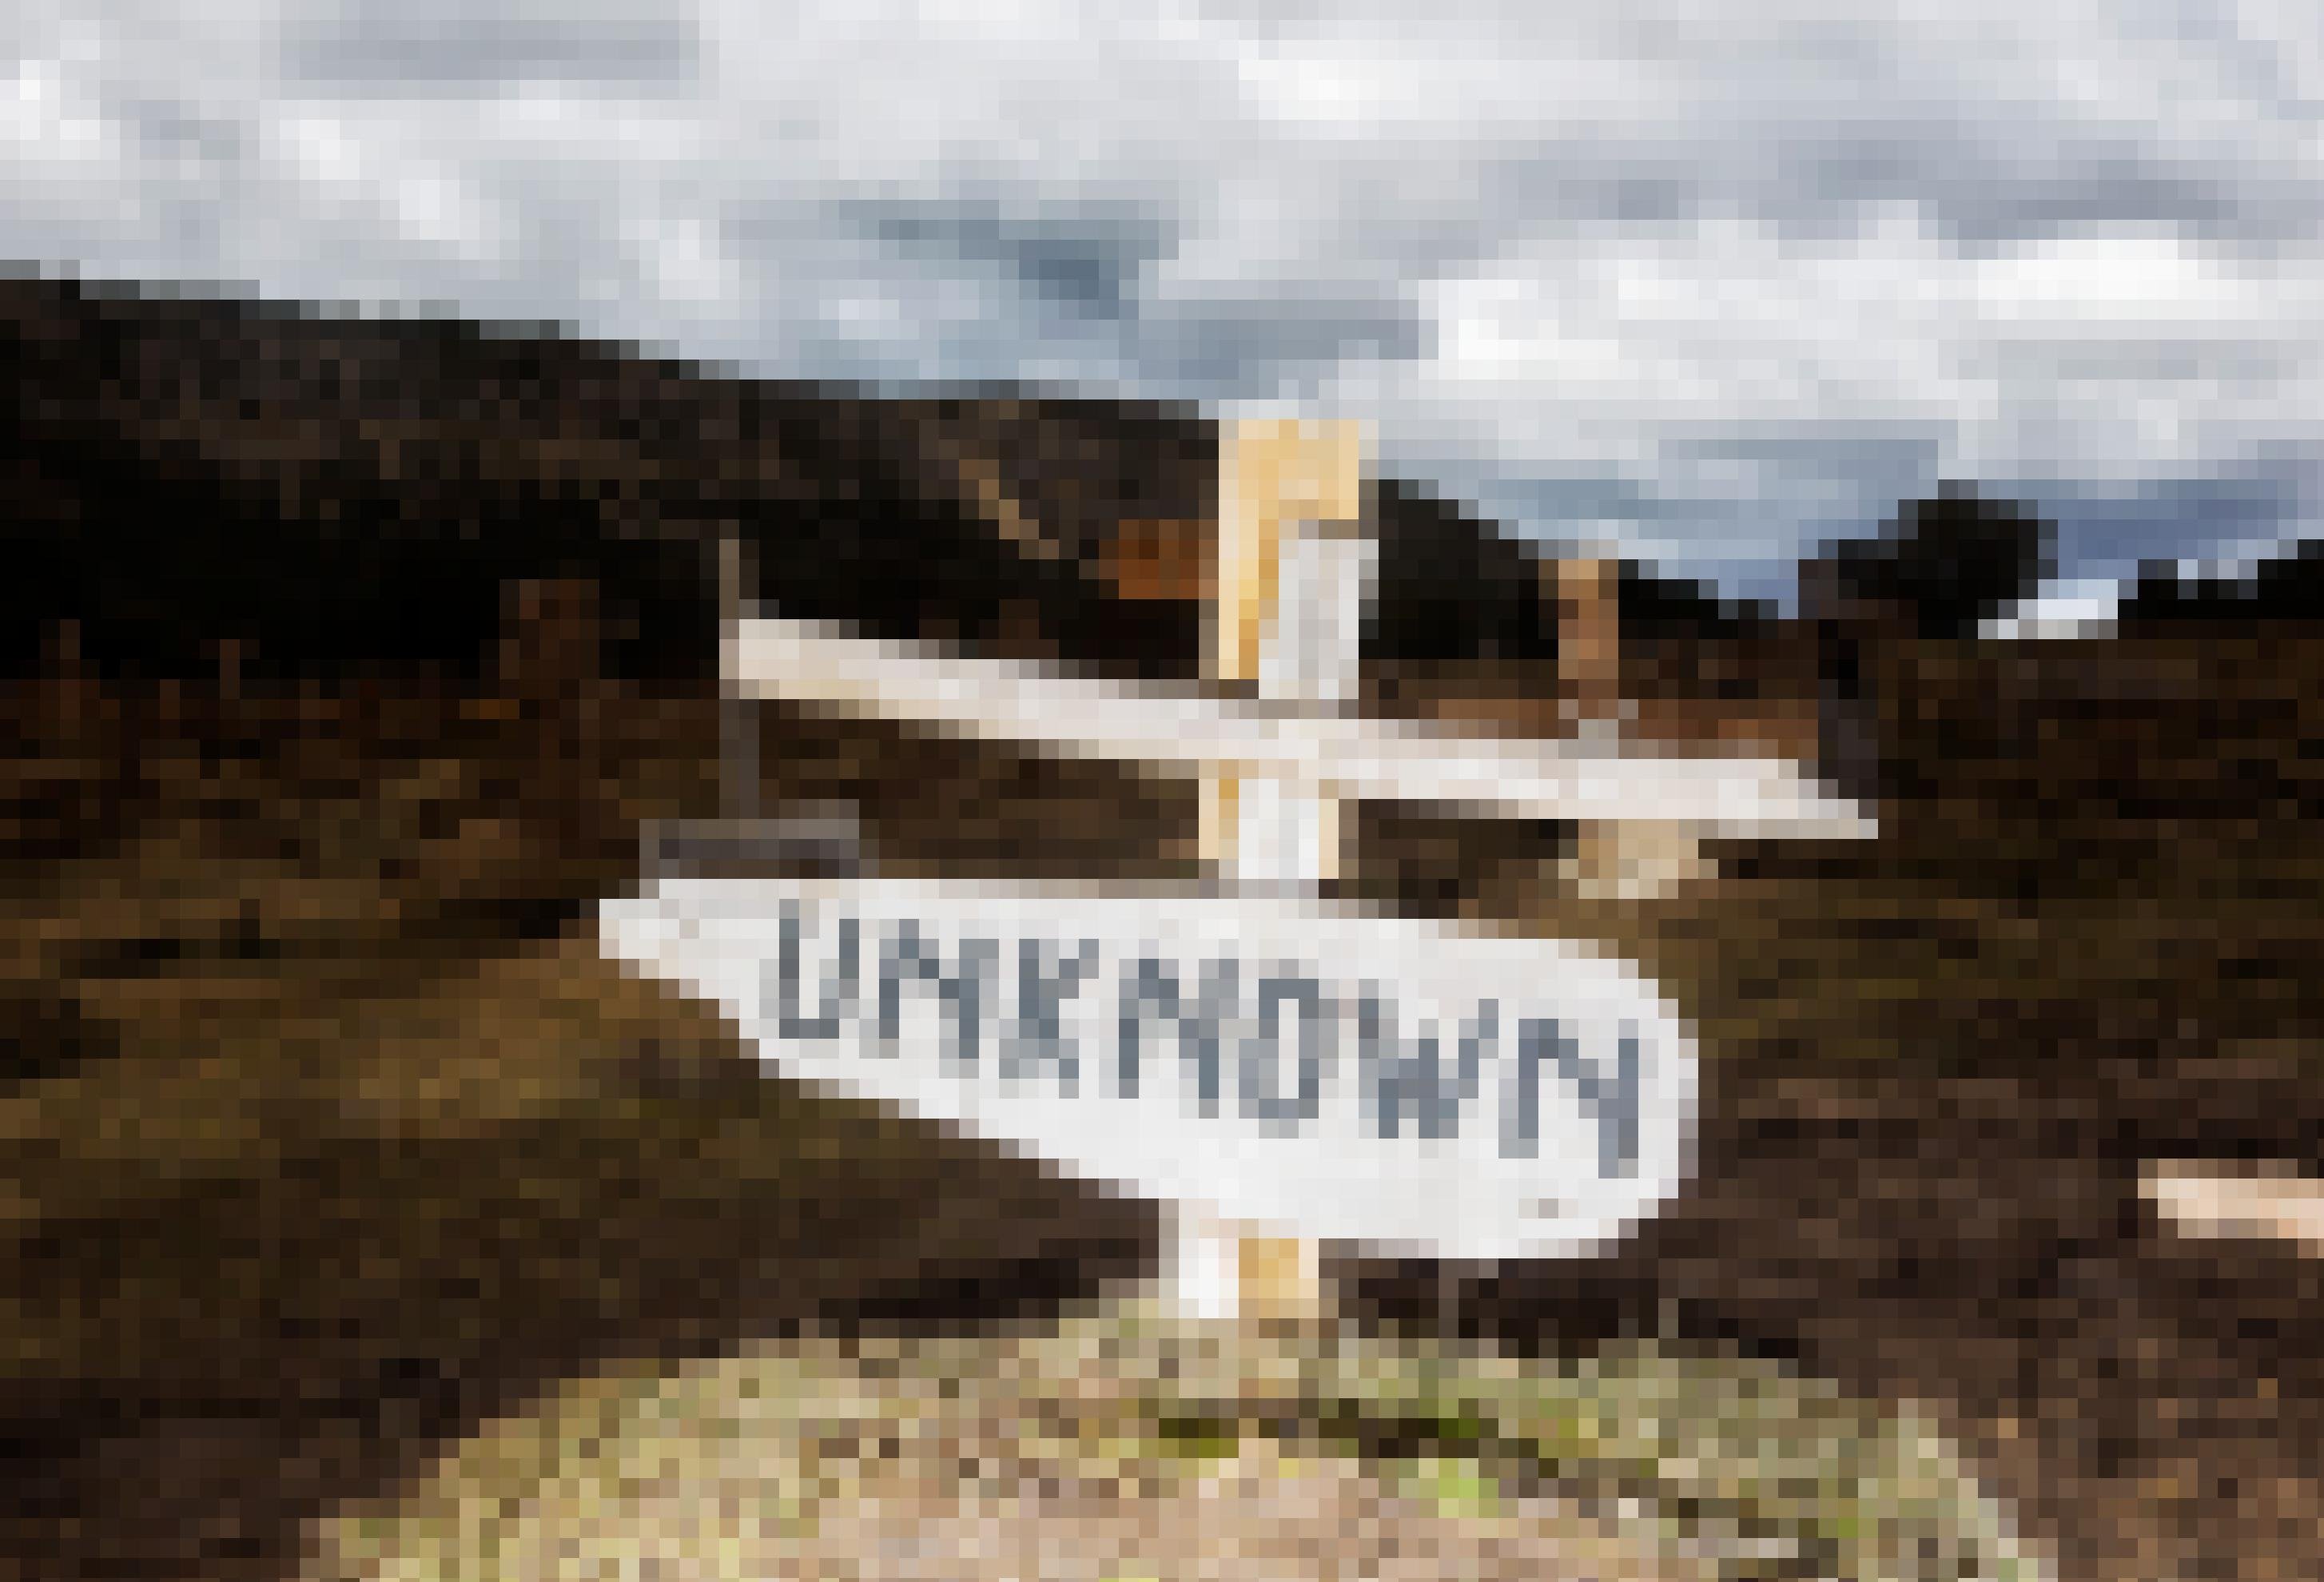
[1711, 281]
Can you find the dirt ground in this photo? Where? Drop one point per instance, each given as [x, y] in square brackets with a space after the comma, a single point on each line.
[331, 1137]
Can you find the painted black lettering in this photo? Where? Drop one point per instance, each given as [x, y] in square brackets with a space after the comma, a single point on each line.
[1038, 1034]
[1612, 1101]
[1149, 990]
[832, 1003]
[907, 957]
[1420, 1082]
[1259, 1065]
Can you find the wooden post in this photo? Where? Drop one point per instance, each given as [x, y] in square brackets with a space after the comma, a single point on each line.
[1588, 635]
[1636, 860]
[1626, 859]
[738, 727]
[742, 838]
[1290, 507]
[1293, 573]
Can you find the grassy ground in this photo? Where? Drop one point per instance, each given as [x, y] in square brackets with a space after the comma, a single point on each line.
[1633, 1463]
[329, 1129]
[329, 1135]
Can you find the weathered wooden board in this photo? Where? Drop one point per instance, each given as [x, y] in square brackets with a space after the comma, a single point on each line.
[1321, 1071]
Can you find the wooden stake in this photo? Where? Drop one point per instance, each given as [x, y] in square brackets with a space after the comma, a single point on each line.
[738, 767]
[1289, 509]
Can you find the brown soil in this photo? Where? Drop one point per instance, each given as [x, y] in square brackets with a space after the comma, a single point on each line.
[330, 1134]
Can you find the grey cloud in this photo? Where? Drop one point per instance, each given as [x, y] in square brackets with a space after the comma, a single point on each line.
[1274, 343]
[1086, 258]
[1077, 278]
[2111, 532]
[176, 130]
[1979, 180]
[2098, 183]
[1733, 544]
[369, 48]
[1587, 497]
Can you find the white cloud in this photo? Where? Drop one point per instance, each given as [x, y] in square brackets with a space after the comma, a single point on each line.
[1723, 277]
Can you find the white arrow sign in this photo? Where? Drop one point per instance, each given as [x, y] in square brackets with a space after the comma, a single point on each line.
[1331, 1074]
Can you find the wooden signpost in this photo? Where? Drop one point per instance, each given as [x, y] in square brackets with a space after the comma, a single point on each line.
[1280, 1069]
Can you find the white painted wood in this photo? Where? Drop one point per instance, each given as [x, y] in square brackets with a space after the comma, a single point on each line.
[1184, 730]
[1309, 650]
[1202, 1275]
[2207, 1200]
[1287, 837]
[1301, 1067]
[1286, 830]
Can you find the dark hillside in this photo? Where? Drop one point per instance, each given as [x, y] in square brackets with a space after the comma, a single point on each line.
[347, 496]
[343, 496]
[1452, 587]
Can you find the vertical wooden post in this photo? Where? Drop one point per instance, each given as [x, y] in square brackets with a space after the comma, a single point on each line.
[741, 838]
[1625, 859]
[738, 766]
[1293, 573]
[1588, 639]
[1294, 563]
